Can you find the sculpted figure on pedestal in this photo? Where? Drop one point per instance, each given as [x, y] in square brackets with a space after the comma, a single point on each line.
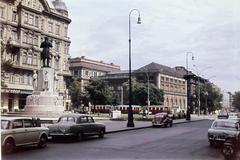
[45, 54]
[35, 80]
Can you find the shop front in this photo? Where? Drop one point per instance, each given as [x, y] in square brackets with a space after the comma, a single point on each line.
[13, 100]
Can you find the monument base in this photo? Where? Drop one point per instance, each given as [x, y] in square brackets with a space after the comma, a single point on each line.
[44, 104]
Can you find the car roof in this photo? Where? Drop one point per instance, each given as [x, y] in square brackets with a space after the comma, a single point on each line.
[226, 120]
[13, 118]
[76, 115]
[162, 113]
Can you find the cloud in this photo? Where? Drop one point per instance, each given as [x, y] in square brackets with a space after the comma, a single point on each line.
[169, 29]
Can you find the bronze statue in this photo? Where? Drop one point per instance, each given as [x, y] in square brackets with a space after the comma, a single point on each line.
[45, 54]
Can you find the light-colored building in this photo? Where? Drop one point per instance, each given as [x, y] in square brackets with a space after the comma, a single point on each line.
[84, 69]
[168, 79]
[23, 26]
[171, 82]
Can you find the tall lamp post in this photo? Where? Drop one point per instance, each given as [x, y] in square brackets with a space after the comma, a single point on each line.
[130, 111]
[188, 115]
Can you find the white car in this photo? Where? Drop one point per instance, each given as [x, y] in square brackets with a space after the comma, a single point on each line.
[20, 131]
[233, 115]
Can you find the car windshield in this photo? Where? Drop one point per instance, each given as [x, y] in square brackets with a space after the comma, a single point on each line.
[160, 115]
[66, 119]
[224, 124]
[5, 124]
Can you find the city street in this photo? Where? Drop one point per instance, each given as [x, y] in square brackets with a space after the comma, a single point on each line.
[182, 141]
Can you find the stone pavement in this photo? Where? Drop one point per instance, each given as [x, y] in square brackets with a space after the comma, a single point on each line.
[113, 126]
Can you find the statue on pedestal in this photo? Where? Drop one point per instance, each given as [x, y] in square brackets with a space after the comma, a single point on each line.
[56, 81]
[46, 87]
[45, 54]
[35, 80]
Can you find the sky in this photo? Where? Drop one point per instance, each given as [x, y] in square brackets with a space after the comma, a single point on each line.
[209, 30]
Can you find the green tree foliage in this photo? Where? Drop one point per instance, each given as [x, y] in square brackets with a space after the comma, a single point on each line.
[140, 93]
[78, 98]
[210, 98]
[6, 66]
[236, 100]
[99, 93]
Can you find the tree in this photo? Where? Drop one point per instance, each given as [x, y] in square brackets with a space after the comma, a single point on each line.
[78, 98]
[6, 66]
[140, 93]
[210, 98]
[99, 93]
[236, 100]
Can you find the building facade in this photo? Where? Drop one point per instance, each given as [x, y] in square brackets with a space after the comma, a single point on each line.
[23, 26]
[84, 69]
[165, 78]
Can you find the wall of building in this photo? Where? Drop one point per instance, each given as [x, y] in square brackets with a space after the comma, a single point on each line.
[23, 26]
[84, 69]
[175, 92]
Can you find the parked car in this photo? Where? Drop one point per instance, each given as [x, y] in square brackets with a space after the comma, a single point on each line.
[234, 115]
[223, 130]
[20, 131]
[223, 116]
[162, 119]
[77, 126]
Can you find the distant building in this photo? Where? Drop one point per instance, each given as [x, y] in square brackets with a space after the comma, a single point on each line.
[84, 69]
[165, 78]
[23, 26]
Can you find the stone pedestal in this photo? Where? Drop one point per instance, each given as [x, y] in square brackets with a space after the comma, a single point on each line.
[45, 100]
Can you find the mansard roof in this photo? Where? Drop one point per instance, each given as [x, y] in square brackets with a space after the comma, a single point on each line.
[155, 67]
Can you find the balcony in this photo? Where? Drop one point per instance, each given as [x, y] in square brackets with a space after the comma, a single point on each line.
[14, 43]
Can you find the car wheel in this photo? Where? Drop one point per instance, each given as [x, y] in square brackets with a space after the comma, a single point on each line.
[42, 141]
[228, 151]
[101, 134]
[9, 146]
[79, 136]
[212, 143]
[165, 125]
[171, 124]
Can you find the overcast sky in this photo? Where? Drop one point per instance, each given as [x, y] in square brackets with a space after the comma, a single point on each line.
[210, 29]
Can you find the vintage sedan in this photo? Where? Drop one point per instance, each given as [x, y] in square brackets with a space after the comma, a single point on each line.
[20, 131]
[223, 130]
[77, 126]
[162, 119]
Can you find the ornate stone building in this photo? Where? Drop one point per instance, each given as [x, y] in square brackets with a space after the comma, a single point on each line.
[84, 69]
[23, 26]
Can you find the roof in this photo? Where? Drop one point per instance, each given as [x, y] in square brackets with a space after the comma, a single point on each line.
[50, 4]
[227, 120]
[92, 64]
[13, 118]
[76, 115]
[155, 67]
[59, 5]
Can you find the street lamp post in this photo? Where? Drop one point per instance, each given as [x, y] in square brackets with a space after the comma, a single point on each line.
[188, 116]
[130, 111]
[198, 75]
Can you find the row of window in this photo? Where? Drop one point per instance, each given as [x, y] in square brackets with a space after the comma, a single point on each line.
[32, 4]
[31, 19]
[20, 79]
[172, 80]
[29, 38]
[76, 73]
[57, 28]
[175, 102]
[29, 58]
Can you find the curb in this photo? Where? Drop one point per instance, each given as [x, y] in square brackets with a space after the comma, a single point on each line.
[137, 128]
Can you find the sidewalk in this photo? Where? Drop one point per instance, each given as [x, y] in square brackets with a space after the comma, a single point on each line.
[120, 126]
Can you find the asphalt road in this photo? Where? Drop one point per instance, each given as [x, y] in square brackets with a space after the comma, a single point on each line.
[181, 142]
